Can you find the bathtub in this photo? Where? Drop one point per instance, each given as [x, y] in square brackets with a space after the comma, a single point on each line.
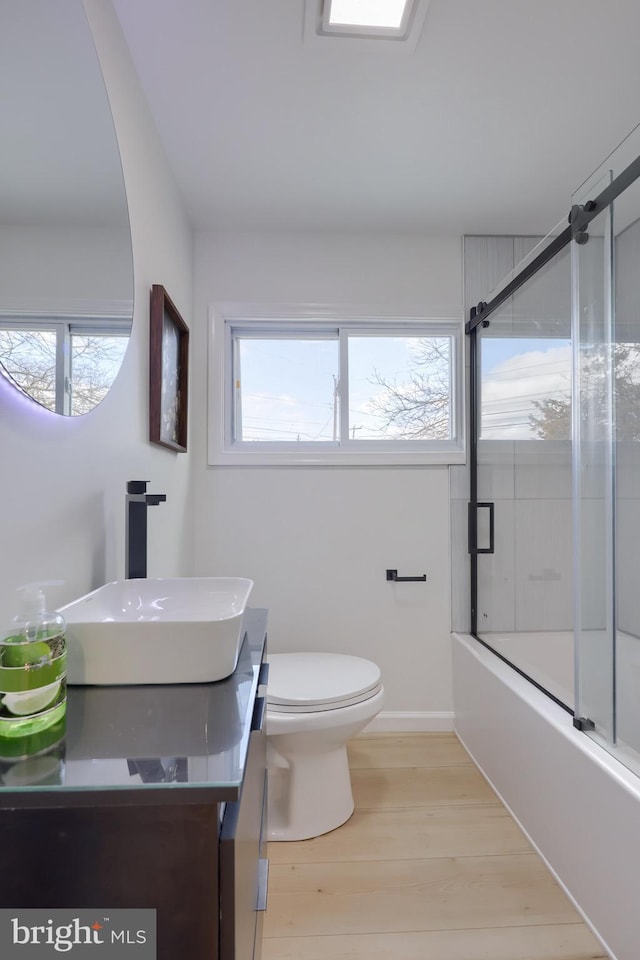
[547, 657]
[578, 805]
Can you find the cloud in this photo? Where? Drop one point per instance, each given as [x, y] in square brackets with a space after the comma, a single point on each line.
[510, 390]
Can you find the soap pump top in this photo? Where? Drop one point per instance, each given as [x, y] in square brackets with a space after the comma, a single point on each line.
[33, 621]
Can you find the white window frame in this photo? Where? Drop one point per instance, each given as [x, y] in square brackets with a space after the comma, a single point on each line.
[295, 320]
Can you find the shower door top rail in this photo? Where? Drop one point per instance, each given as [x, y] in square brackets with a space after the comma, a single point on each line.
[579, 218]
[480, 313]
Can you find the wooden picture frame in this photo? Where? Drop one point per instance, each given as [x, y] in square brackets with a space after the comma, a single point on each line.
[168, 372]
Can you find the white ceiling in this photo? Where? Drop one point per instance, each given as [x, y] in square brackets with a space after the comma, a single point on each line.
[502, 110]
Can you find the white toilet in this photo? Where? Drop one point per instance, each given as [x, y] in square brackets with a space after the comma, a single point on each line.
[315, 703]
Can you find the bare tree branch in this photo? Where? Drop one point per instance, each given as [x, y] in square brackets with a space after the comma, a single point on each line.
[420, 407]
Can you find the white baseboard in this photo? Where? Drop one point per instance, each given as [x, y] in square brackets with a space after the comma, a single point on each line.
[411, 721]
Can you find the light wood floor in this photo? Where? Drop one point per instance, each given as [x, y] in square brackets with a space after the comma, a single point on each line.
[430, 867]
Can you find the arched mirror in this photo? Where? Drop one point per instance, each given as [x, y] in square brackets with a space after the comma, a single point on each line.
[66, 270]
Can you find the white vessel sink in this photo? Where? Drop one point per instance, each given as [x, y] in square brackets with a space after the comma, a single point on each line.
[173, 630]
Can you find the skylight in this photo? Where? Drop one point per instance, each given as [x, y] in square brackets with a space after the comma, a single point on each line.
[367, 13]
[393, 26]
[378, 18]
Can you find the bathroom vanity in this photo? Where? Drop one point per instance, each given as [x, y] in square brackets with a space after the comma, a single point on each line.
[155, 799]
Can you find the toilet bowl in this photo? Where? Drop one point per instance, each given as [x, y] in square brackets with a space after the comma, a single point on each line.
[315, 703]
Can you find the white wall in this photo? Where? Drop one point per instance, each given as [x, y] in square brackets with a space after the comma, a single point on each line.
[317, 540]
[62, 263]
[63, 480]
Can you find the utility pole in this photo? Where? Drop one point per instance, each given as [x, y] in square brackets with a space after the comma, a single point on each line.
[335, 407]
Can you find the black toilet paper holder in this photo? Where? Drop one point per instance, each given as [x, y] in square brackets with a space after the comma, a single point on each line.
[393, 576]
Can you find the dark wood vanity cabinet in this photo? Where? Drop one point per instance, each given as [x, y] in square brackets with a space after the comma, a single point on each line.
[160, 803]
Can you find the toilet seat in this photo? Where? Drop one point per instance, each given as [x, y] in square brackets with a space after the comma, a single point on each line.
[315, 682]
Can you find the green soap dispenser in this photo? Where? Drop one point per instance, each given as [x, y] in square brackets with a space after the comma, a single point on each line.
[33, 670]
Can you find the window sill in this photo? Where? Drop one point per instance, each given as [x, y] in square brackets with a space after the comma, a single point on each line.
[334, 458]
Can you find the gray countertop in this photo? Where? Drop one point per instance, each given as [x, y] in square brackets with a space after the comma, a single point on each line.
[147, 744]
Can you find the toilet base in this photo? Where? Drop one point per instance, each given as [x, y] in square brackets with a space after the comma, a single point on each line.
[309, 794]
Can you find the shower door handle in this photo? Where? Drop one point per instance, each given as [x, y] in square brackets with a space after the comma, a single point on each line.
[473, 528]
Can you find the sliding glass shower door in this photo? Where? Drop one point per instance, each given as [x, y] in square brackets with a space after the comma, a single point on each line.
[606, 329]
[523, 453]
[554, 511]
[593, 458]
[626, 397]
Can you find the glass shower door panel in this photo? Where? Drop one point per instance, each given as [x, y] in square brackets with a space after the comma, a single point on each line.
[524, 608]
[495, 608]
[593, 477]
[626, 390]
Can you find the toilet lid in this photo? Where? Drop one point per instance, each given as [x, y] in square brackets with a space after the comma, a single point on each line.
[319, 681]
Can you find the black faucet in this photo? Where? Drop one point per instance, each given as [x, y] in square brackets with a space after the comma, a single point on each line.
[136, 536]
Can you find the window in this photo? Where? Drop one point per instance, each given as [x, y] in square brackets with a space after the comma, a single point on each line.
[65, 365]
[305, 390]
